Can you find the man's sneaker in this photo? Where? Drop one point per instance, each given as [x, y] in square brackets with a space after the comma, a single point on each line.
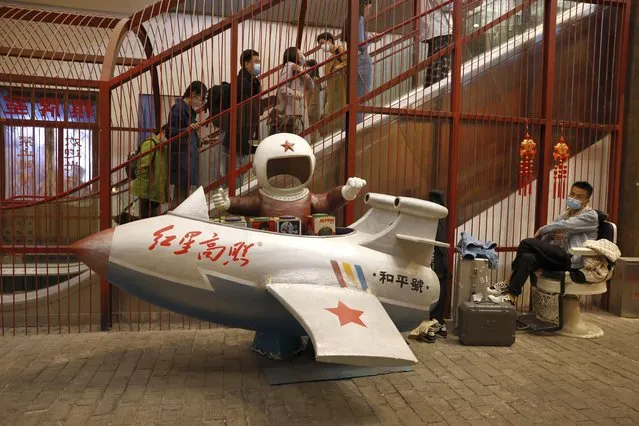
[503, 298]
[428, 337]
[443, 332]
[497, 289]
[439, 330]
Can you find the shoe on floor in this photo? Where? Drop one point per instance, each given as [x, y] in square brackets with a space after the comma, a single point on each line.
[443, 332]
[503, 298]
[439, 330]
[428, 337]
[497, 289]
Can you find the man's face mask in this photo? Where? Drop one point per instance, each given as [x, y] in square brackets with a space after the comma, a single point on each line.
[574, 204]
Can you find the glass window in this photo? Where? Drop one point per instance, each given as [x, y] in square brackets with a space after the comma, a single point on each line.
[30, 162]
[77, 158]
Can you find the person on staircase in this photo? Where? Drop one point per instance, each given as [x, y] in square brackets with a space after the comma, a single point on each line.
[248, 120]
[364, 61]
[291, 111]
[313, 99]
[335, 73]
[184, 151]
[150, 185]
[436, 30]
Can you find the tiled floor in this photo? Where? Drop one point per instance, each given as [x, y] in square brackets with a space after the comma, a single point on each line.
[210, 377]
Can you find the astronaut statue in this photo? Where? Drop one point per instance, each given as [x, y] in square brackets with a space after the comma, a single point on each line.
[278, 160]
[289, 155]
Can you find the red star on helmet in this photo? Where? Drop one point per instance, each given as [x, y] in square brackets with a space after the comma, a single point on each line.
[288, 146]
[347, 315]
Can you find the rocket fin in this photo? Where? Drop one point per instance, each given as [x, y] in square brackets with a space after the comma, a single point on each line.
[346, 326]
[194, 207]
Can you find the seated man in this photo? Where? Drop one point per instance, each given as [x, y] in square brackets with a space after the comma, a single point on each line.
[549, 249]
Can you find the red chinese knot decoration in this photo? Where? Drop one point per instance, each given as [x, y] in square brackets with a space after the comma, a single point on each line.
[561, 154]
[527, 152]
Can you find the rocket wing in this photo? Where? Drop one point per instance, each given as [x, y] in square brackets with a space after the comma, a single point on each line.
[346, 326]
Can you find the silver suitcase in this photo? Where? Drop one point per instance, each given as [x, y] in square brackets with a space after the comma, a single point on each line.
[472, 277]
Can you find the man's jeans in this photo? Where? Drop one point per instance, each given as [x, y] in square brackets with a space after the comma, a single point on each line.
[533, 254]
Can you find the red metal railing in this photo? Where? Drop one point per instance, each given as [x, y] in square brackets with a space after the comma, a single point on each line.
[460, 135]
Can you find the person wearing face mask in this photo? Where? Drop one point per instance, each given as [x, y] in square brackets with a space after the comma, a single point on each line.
[248, 118]
[291, 110]
[549, 249]
[335, 72]
[184, 151]
[364, 62]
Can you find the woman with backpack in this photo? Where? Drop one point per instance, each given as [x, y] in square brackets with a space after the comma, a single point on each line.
[150, 184]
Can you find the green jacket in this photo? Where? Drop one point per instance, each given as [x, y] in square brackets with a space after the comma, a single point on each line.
[151, 181]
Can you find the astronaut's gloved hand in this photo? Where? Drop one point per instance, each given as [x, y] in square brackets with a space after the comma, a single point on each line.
[221, 201]
[352, 188]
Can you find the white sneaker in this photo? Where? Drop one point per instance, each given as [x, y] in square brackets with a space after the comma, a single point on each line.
[503, 298]
[497, 289]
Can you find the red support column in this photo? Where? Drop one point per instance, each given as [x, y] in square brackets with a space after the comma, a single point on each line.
[105, 192]
[104, 161]
[614, 174]
[453, 143]
[416, 43]
[352, 100]
[301, 23]
[547, 99]
[232, 172]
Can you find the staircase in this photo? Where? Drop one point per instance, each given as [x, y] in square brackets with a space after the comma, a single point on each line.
[405, 155]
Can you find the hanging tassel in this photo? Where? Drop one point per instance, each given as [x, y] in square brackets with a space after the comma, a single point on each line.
[560, 175]
[527, 152]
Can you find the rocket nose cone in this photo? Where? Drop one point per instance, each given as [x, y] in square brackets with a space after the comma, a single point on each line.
[94, 250]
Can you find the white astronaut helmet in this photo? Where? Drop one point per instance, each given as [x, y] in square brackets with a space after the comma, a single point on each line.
[283, 154]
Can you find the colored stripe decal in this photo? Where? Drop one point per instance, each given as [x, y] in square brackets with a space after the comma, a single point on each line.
[338, 274]
[362, 278]
[349, 273]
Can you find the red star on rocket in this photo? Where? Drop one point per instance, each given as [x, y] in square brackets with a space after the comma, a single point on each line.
[346, 314]
[288, 146]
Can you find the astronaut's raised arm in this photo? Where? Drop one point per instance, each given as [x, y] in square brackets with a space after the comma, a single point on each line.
[328, 202]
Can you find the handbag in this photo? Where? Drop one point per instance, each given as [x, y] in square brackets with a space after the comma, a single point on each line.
[279, 122]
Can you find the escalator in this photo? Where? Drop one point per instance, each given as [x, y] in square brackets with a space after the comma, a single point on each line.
[415, 157]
